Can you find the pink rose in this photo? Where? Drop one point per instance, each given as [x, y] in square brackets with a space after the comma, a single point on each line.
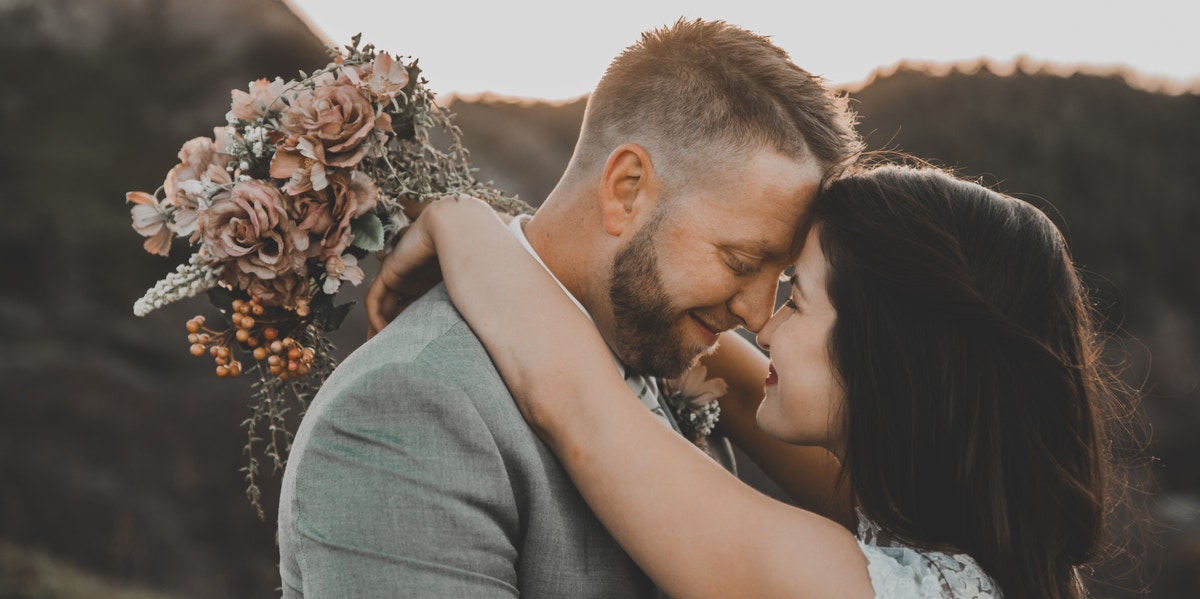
[251, 234]
[338, 116]
[327, 215]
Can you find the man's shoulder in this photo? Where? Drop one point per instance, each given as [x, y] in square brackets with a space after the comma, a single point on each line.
[428, 354]
[429, 333]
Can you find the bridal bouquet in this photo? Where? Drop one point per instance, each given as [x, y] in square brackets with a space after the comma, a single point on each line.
[280, 206]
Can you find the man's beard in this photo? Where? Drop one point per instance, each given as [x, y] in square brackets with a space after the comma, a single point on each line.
[647, 336]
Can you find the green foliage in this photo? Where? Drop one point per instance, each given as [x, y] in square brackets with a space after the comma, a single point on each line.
[368, 233]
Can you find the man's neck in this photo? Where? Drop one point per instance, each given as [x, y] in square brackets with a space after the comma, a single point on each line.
[570, 247]
[560, 252]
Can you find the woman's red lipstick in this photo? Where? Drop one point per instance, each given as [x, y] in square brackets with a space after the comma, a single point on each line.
[772, 376]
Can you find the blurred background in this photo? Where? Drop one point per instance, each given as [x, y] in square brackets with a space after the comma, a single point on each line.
[120, 453]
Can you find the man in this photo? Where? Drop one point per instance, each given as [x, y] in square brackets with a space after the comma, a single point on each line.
[413, 474]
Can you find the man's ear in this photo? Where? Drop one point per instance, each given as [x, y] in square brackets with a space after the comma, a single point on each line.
[627, 187]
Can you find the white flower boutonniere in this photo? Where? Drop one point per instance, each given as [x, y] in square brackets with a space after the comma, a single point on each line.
[693, 401]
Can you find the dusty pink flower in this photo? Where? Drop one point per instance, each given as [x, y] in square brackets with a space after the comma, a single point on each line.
[381, 79]
[300, 160]
[353, 196]
[337, 116]
[150, 220]
[251, 233]
[341, 268]
[200, 162]
[327, 215]
[289, 290]
[264, 96]
[312, 211]
[697, 389]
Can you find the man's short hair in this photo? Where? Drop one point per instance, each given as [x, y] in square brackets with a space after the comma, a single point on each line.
[706, 85]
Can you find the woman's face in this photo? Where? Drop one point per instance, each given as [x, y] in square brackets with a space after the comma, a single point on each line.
[804, 397]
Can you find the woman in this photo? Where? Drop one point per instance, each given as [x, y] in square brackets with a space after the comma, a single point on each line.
[937, 340]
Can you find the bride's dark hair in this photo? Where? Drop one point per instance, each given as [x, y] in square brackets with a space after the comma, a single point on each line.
[971, 364]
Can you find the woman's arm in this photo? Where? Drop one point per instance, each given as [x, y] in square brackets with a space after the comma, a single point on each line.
[811, 476]
[694, 528]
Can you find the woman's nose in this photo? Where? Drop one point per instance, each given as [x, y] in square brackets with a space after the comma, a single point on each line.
[764, 335]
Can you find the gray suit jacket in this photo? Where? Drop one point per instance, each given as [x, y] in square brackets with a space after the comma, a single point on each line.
[414, 475]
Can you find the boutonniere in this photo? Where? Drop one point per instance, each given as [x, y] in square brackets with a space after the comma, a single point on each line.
[693, 401]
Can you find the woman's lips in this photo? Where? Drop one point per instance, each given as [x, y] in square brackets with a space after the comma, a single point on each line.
[772, 376]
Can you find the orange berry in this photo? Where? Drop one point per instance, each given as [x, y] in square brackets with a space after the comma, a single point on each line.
[204, 338]
[193, 326]
[302, 310]
[293, 366]
[222, 351]
[270, 333]
[283, 376]
[260, 353]
[235, 368]
[276, 347]
[221, 361]
[212, 351]
[289, 342]
[254, 300]
[294, 353]
[245, 309]
[193, 338]
[237, 319]
[252, 342]
[303, 370]
[274, 360]
[241, 335]
[257, 309]
[247, 322]
[197, 349]
[222, 371]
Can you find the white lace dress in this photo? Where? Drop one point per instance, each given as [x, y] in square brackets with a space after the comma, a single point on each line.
[900, 572]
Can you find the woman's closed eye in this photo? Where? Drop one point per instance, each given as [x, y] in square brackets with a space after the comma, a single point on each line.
[790, 304]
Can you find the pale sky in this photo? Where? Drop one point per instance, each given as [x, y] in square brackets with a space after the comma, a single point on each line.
[557, 49]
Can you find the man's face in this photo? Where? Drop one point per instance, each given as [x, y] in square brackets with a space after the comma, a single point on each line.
[708, 262]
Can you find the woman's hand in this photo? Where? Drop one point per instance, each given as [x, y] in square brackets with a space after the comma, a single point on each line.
[407, 272]
[411, 269]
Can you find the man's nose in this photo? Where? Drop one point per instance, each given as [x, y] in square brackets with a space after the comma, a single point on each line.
[754, 302]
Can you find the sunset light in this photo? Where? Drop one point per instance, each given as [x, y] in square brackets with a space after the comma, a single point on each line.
[555, 50]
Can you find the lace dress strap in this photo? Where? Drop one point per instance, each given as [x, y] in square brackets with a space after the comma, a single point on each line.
[901, 572]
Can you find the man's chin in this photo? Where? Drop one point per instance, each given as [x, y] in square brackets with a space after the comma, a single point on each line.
[683, 361]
